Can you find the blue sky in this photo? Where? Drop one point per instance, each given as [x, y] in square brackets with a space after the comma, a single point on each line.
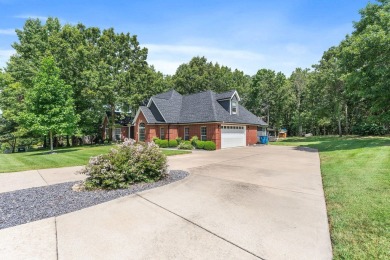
[247, 35]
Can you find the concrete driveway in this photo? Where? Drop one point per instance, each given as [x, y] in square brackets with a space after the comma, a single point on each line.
[245, 203]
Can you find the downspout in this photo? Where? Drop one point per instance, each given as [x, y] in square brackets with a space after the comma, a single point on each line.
[168, 132]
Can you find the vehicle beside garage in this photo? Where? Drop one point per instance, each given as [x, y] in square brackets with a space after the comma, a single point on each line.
[217, 117]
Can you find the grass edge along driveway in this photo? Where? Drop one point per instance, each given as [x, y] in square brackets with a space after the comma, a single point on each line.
[63, 157]
[356, 178]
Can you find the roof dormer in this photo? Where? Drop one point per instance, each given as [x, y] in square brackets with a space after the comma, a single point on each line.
[229, 101]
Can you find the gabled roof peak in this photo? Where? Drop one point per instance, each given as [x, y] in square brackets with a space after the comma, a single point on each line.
[227, 95]
[167, 95]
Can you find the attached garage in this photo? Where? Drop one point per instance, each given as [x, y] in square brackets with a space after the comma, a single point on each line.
[233, 136]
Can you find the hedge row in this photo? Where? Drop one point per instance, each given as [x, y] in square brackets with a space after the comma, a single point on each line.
[186, 145]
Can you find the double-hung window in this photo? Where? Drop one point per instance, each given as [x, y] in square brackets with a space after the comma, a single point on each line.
[186, 133]
[162, 133]
[203, 133]
[141, 133]
[117, 134]
[234, 107]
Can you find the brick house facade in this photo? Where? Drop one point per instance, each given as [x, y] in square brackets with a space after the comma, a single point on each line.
[123, 128]
[164, 119]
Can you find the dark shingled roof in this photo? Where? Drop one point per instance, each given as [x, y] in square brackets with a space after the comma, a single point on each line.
[120, 118]
[196, 108]
[225, 95]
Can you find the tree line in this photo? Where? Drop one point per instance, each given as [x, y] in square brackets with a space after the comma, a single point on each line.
[96, 71]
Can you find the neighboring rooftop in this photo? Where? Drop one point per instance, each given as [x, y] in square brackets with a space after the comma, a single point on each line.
[172, 107]
[120, 118]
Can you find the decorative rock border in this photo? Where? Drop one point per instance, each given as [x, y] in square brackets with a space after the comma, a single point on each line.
[23, 206]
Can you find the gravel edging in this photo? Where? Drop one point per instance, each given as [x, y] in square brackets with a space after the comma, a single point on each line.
[23, 206]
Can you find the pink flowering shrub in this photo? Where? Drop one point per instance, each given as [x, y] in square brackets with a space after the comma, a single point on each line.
[130, 163]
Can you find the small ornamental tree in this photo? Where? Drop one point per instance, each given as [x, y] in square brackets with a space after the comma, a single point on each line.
[50, 106]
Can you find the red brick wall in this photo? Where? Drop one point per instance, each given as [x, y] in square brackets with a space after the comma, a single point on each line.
[213, 132]
[251, 135]
[141, 119]
[124, 132]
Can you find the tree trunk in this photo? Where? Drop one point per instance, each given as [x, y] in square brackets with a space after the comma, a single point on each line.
[45, 142]
[268, 116]
[13, 145]
[339, 126]
[346, 120]
[51, 141]
[67, 141]
[112, 122]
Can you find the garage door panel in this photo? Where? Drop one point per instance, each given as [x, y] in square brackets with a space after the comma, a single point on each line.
[233, 136]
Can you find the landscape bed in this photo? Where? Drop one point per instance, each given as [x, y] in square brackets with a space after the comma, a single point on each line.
[356, 179]
[23, 206]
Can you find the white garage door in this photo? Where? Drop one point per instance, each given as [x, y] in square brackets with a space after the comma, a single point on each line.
[233, 136]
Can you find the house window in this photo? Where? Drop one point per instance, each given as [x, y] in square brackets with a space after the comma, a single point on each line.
[203, 133]
[162, 133]
[234, 107]
[106, 133]
[141, 132]
[186, 133]
[117, 134]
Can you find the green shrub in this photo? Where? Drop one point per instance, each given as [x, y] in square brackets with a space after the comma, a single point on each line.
[209, 145]
[368, 129]
[163, 143]
[172, 143]
[199, 144]
[185, 146]
[179, 140]
[129, 163]
[156, 140]
[193, 140]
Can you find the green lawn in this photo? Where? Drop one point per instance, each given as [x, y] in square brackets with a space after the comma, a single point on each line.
[63, 157]
[356, 179]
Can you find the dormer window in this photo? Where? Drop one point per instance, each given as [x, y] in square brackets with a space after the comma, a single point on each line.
[234, 107]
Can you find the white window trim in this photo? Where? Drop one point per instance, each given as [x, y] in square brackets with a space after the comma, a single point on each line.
[201, 133]
[185, 134]
[231, 107]
[139, 131]
[116, 133]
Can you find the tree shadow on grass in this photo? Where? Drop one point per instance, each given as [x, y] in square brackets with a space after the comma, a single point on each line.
[327, 144]
[48, 152]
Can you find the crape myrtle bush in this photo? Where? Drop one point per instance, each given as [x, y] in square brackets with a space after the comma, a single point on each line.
[130, 163]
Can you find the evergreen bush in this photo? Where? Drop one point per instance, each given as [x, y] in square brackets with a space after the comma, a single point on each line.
[172, 143]
[163, 143]
[209, 145]
[199, 144]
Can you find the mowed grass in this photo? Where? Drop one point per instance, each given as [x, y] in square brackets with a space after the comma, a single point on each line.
[63, 157]
[356, 178]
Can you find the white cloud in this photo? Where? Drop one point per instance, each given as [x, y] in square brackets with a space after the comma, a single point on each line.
[7, 31]
[4, 57]
[27, 16]
[166, 58]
